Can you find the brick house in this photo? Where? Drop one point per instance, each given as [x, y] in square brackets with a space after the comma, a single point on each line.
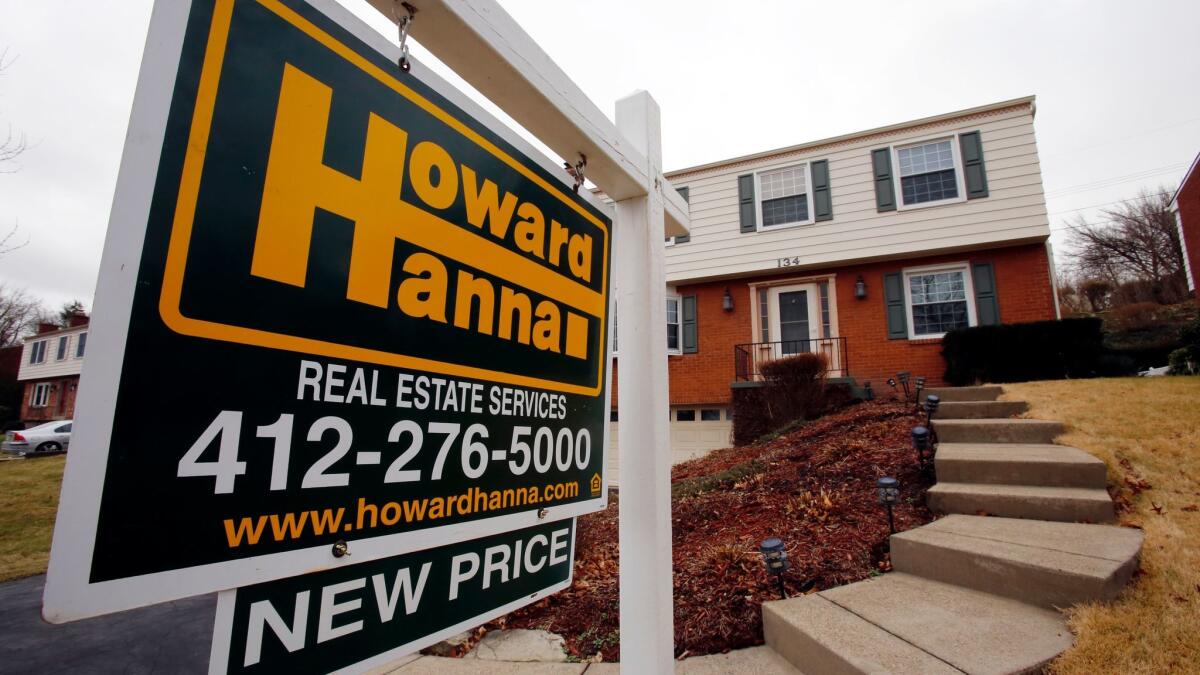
[866, 247]
[1186, 207]
[51, 361]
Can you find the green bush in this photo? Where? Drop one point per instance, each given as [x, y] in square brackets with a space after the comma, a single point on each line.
[1186, 359]
[1042, 350]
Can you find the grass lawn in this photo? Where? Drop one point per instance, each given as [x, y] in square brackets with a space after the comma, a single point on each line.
[1148, 432]
[28, 503]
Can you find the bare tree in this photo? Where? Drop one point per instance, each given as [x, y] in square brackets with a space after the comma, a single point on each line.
[10, 148]
[20, 314]
[1134, 248]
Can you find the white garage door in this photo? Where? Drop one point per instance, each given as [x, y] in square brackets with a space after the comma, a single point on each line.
[694, 433]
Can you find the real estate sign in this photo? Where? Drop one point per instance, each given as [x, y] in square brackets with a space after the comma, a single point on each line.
[338, 305]
[359, 617]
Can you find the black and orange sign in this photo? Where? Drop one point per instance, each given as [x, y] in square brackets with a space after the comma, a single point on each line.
[361, 314]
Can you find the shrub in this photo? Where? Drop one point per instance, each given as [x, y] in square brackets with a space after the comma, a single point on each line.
[1138, 316]
[1180, 364]
[793, 389]
[1042, 350]
[1191, 340]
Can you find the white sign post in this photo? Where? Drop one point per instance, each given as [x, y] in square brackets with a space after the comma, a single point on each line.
[488, 49]
[647, 619]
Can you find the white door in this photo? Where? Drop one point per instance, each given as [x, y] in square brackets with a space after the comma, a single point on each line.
[795, 318]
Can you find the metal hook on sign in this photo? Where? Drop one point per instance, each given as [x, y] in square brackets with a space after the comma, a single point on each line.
[576, 172]
[403, 23]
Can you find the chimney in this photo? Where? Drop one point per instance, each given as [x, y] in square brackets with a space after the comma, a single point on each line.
[77, 319]
[46, 327]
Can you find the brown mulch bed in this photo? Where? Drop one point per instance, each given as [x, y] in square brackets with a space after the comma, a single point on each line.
[813, 487]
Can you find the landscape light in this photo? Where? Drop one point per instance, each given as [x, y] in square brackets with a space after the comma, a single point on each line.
[921, 441]
[868, 392]
[775, 558]
[932, 402]
[903, 377]
[920, 386]
[892, 382]
[889, 494]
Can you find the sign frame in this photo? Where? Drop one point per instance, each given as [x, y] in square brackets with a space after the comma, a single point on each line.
[70, 594]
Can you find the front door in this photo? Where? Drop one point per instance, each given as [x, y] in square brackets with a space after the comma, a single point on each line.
[795, 321]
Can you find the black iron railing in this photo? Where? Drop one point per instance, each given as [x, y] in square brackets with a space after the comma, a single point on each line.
[749, 358]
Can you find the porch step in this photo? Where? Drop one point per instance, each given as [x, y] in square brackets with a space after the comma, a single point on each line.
[987, 392]
[977, 410]
[997, 431]
[1051, 565]
[900, 623]
[1019, 464]
[1061, 504]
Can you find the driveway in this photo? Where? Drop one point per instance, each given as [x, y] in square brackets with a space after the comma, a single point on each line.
[169, 638]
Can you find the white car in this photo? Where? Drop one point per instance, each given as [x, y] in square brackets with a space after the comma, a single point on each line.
[44, 439]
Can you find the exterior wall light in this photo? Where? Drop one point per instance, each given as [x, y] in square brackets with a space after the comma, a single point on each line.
[922, 443]
[727, 301]
[860, 288]
[932, 402]
[775, 558]
[889, 494]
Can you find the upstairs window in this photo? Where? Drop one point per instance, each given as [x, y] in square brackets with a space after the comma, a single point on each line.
[37, 352]
[80, 345]
[62, 348]
[929, 172]
[783, 197]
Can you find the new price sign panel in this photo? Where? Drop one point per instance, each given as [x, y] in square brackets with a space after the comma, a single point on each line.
[334, 305]
[355, 618]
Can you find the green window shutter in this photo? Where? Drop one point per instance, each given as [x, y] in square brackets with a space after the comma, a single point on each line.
[972, 155]
[987, 305]
[885, 193]
[749, 219]
[893, 296]
[683, 192]
[822, 201]
[691, 338]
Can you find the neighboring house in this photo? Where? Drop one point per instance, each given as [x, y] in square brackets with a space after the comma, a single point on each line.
[866, 247]
[1186, 207]
[50, 365]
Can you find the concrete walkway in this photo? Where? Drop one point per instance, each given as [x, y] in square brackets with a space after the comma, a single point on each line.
[174, 638]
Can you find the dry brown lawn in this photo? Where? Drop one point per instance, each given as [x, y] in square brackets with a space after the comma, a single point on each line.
[28, 502]
[1148, 432]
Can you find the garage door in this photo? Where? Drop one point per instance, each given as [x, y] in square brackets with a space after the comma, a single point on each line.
[694, 433]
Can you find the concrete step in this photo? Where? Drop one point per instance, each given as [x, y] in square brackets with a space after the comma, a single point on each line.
[997, 431]
[900, 623]
[987, 392]
[1061, 504]
[1019, 464]
[979, 410]
[1051, 565]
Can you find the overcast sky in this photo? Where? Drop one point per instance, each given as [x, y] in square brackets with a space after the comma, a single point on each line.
[1118, 104]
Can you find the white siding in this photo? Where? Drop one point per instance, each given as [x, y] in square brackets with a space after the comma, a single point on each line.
[52, 367]
[1013, 212]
